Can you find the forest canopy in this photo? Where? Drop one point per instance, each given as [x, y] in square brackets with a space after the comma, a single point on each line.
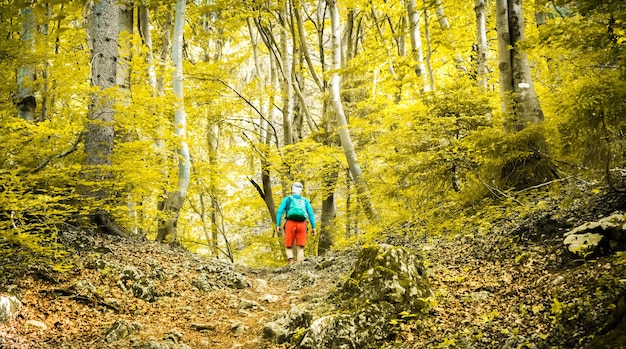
[187, 122]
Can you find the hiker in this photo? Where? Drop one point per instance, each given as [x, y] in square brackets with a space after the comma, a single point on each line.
[297, 211]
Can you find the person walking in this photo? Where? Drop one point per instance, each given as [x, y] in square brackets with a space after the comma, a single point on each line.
[297, 210]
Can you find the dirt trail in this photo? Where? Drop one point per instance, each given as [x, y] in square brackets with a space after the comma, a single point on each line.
[77, 316]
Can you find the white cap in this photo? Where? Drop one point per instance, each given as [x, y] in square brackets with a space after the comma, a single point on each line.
[297, 188]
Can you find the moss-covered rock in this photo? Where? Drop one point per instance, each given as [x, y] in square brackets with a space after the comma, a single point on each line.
[385, 273]
[386, 281]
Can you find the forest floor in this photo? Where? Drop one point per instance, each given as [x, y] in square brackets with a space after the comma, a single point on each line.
[512, 286]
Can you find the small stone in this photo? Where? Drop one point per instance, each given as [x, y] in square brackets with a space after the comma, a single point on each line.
[269, 298]
[248, 304]
[203, 327]
[34, 323]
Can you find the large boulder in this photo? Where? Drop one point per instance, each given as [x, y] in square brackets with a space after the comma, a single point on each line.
[595, 238]
[387, 283]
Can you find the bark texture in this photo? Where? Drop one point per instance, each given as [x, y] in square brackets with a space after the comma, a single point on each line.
[176, 199]
[519, 100]
[24, 99]
[342, 123]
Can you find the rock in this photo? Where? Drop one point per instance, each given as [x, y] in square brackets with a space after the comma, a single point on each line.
[85, 287]
[203, 327]
[34, 323]
[174, 336]
[120, 329]
[234, 280]
[597, 237]
[180, 346]
[386, 281]
[385, 273]
[203, 283]
[130, 273]
[261, 285]
[281, 330]
[558, 280]
[363, 329]
[304, 279]
[583, 244]
[9, 306]
[269, 298]
[275, 332]
[246, 304]
[153, 345]
[144, 289]
[238, 328]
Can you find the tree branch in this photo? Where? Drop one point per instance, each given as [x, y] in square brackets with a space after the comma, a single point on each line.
[64, 154]
[258, 187]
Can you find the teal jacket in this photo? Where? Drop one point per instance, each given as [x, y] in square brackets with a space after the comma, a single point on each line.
[283, 206]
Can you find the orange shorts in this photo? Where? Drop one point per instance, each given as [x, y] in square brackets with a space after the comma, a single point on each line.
[295, 230]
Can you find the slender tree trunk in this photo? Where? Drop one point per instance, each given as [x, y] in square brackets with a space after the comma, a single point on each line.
[505, 64]
[25, 98]
[445, 27]
[482, 48]
[342, 123]
[214, 136]
[146, 36]
[267, 108]
[329, 206]
[429, 51]
[165, 47]
[125, 49]
[160, 142]
[286, 87]
[176, 199]
[44, 30]
[416, 44]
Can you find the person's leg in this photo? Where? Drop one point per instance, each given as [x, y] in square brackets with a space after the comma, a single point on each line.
[300, 234]
[290, 235]
[300, 250]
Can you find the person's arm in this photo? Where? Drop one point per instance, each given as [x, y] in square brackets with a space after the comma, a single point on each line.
[279, 213]
[309, 210]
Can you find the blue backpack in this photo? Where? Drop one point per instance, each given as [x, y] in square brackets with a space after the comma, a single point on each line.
[296, 209]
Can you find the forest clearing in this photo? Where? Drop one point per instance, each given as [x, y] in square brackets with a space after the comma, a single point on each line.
[313, 174]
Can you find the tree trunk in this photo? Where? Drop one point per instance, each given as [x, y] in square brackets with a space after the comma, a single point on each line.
[328, 213]
[519, 100]
[342, 123]
[146, 36]
[125, 49]
[99, 129]
[429, 52]
[213, 140]
[445, 27]
[416, 44]
[505, 64]
[165, 47]
[99, 134]
[264, 129]
[25, 98]
[329, 206]
[482, 48]
[176, 199]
